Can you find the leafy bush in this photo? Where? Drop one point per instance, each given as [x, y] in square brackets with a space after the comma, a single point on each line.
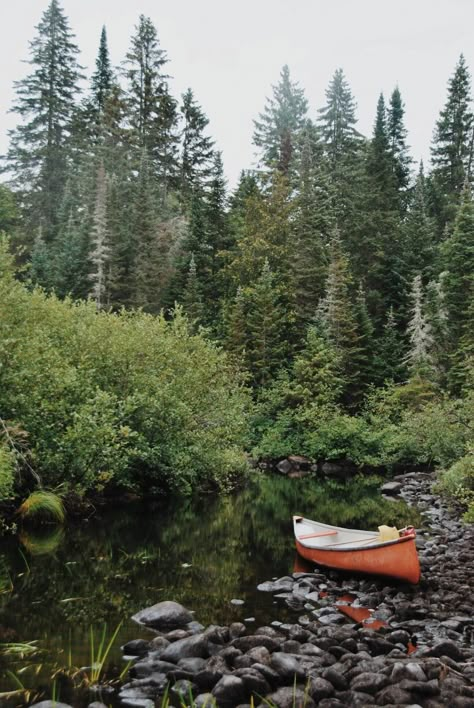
[117, 400]
[458, 482]
[7, 471]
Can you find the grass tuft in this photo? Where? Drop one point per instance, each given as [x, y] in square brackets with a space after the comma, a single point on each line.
[43, 505]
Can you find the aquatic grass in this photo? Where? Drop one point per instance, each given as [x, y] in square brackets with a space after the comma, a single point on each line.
[42, 544]
[99, 658]
[41, 505]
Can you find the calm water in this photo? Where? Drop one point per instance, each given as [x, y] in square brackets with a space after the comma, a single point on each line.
[59, 586]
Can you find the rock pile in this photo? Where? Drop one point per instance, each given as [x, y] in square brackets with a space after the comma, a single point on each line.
[421, 656]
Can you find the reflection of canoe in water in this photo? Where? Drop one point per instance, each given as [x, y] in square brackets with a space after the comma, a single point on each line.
[360, 551]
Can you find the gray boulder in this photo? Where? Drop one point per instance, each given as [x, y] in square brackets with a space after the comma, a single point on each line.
[194, 646]
[165, 615]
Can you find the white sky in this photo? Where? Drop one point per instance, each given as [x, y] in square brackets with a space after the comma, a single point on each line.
[230, 53]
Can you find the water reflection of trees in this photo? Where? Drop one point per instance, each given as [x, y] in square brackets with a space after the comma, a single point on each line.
[199, 552]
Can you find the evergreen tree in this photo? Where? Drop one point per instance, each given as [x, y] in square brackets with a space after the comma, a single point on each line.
[197, 147]
[266, 324]
[390, 353]
[103, 77]
[310, 225]
[458, 282]
[146, 82]
[397, 135]
[38, 152]
[142, 257]
[8, 210]
[100, 253]
[335, 314]
[192, 300]
[363, 359]
[277, 127]
[337, 121]
[419, 234]
[344, 151]
[451, 151]
[377, 254]
[315, 374]
[236, 338]
[41, 265]
[419, 357]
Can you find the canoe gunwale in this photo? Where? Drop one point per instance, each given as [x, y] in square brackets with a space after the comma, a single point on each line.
[367, 547]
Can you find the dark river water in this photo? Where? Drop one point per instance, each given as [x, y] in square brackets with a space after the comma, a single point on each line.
[61, 587]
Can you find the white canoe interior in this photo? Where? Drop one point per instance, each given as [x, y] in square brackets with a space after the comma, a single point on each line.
[313, 534]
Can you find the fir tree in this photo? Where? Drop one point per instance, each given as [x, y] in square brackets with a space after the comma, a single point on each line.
[8, 210]
[100, 253]
[344, 153]
[451, 151]
[197, 147]
[458, 282]
[390, 354]
[335, 314]
[192, 300]
[419, 234]
[337, 120]
[397, 136]
[236, 335]
[103, 77]
[38, 152]
[266, 322]
[363, 358]
[277, 127]
[419, 357]
[146, 82]
[310, 224]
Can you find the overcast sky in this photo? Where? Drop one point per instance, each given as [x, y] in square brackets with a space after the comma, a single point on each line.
[230, 53]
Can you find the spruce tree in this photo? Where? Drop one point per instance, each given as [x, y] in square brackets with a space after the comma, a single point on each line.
[277, 128]
[197, 148]
[458, 282]
[100, 249]
[397, 136]
[310, 226]
[38, 152]
[337, 120]
[419, 234]
[103, 77]
[390, 364]
[236, 326]
[419, 357]
[451, 151]
[266, 322]
[192, 300]
[146, 81]
[344, 152]
[335, 313]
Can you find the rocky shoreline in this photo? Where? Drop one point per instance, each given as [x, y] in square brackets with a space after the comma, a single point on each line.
[414, 649]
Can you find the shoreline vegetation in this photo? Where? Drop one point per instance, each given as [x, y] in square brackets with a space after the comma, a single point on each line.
[156, 329]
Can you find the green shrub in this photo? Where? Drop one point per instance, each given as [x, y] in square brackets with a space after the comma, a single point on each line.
[7, 473]
[458, 483]
[117, 400]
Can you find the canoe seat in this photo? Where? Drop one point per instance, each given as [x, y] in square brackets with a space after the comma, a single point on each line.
[388, 533]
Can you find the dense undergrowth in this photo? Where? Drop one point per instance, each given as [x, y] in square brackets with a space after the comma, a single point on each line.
[100, 401]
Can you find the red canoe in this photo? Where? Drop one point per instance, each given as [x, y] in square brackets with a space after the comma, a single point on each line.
[360, 551]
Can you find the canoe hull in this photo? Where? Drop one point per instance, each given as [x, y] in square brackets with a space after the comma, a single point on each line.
[398, 559]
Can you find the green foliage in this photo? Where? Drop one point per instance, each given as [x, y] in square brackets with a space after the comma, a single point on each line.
[7, 472]
[458, 482]
[42, 505]
[125, 399]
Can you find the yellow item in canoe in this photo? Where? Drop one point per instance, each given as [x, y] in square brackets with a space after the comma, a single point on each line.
[388, 533]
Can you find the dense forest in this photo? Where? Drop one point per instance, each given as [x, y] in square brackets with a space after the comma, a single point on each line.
[323, 307]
